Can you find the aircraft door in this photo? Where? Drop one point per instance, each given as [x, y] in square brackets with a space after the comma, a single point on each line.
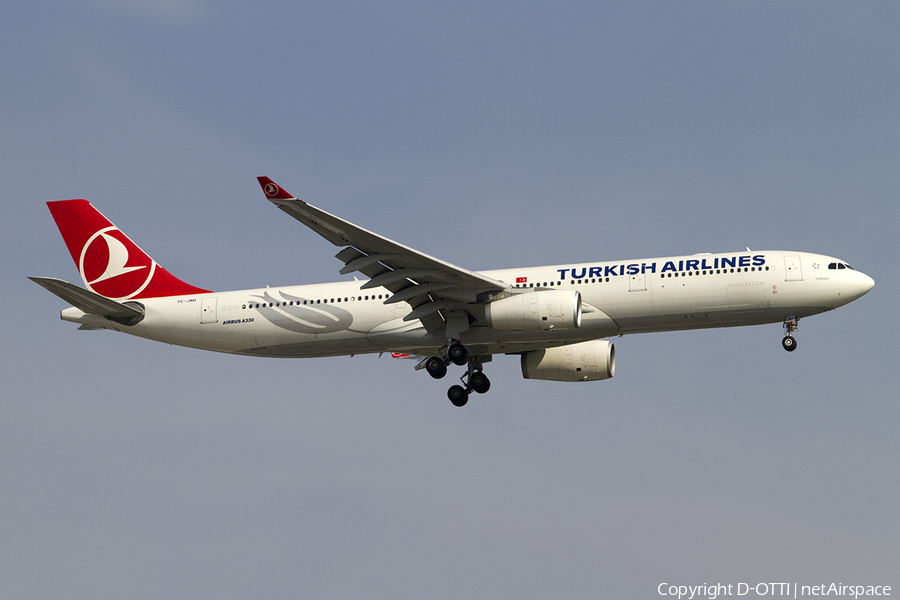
[792, 270]
[208, 310]
[637, 283]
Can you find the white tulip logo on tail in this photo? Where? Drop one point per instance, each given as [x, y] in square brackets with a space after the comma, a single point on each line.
[113, 266]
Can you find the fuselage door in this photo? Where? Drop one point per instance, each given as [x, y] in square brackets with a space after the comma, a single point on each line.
[792, 270]
[637, 282]
[208, 310]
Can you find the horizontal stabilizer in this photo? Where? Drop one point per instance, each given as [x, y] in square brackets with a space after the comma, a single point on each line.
[87, 301]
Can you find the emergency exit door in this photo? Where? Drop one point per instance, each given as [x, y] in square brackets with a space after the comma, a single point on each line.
[208, 310]
[792, 270]
[637, 283]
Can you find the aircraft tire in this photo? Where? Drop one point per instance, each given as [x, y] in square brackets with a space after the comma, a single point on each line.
[458, 395]
[789, 343]
[458, 354]
[435, 367]
[480, 383]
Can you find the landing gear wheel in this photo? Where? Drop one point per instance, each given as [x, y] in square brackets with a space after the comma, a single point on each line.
[480, 383]
[435, 367]
[458, 395]
[790, 326]
[458, 354]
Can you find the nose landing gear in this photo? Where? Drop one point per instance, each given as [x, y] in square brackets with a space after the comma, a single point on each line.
[788, 342]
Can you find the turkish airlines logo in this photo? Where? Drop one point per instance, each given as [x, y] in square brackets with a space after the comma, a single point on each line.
[271, 190]
[113, 266]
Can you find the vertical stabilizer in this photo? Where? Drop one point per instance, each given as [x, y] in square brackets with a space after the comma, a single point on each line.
[111, 264]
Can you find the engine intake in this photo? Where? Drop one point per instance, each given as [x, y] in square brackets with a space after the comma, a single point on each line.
[585, 361]
[536, 311]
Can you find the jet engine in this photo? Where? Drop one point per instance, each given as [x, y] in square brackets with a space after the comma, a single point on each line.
[536, 311]
[585, 361]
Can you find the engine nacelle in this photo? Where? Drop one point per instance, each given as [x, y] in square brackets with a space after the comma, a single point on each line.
[536, 311]
[586, 361]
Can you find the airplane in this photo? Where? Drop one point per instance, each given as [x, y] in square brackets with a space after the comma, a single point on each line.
[556, 318]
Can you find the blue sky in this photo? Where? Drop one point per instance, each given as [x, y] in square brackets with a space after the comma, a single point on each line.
[491, 135]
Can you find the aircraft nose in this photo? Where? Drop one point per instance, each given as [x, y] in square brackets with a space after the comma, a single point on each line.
[866, 283]
[862, 283]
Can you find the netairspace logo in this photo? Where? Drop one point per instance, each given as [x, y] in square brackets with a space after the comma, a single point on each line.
[792, 590]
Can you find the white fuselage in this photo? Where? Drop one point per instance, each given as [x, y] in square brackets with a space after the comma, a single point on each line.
[620, 297]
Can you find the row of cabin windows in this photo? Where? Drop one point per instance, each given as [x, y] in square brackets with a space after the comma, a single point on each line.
[320, 301]
[663, 275]
[529, 285]
[711, 272]
[572, 281]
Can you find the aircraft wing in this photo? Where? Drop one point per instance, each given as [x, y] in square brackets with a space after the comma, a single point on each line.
[87, 301]
[428, 284]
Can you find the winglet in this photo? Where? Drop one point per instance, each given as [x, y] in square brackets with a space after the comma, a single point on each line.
[273, 191]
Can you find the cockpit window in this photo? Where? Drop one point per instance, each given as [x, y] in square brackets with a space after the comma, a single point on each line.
[834, 266]
[841, 266]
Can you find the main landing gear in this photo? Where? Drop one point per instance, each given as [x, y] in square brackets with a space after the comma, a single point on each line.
[788, 342]
[473, 381]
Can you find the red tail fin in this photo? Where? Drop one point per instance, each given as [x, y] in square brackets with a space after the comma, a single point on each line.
[109, 262]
